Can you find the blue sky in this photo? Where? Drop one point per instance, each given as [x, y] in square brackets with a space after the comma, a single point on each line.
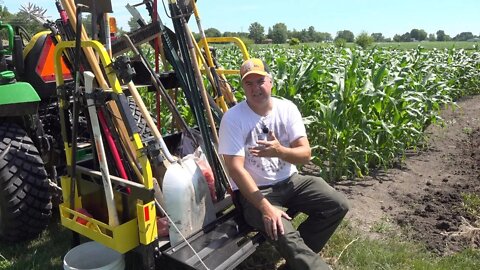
[386, 17]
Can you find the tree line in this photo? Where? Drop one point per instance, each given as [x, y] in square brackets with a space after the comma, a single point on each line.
[279, 34]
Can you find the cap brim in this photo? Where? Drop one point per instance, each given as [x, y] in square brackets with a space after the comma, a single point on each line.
[263, 73]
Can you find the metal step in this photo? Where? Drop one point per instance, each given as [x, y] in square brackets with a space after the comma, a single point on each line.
[221, 245]
[138, 37]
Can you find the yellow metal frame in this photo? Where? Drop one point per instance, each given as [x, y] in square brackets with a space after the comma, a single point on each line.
[127, 235]
[204, 44]
[207, 63]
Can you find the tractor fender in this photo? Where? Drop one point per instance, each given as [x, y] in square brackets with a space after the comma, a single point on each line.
[17, 99]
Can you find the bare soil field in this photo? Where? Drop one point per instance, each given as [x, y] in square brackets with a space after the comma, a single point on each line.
[424, 194]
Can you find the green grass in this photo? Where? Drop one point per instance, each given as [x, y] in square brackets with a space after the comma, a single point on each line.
[384, 225]
[391, 252]
[471, 203]
[44, 252]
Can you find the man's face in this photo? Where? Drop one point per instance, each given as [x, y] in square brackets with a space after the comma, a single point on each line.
[258, 89]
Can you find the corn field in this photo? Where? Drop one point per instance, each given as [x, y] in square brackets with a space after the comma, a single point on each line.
[364, 108]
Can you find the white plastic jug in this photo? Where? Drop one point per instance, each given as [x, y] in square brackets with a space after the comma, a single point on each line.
[203, 210]
[187, 199]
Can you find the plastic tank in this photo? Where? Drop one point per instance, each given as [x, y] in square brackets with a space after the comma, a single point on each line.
[187, 199]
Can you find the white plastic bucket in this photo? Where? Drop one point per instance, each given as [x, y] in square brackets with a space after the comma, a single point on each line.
[93, 256]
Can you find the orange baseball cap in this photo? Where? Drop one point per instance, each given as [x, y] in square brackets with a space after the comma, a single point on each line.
[253, 65]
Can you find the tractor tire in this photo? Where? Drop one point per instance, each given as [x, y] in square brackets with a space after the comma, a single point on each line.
[145, 131]
[25, 198]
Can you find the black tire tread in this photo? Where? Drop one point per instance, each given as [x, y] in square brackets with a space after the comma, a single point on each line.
[25, 198]
[145, 131]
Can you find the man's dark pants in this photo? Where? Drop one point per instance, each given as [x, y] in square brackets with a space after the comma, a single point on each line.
[311, 195]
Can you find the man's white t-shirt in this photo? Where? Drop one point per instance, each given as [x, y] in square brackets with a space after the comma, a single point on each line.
[241, 127]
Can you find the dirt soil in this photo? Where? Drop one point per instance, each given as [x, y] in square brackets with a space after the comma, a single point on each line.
[424, 194]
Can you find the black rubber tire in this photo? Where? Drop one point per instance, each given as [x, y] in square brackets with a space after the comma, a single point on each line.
[145, 131]
[25, 198]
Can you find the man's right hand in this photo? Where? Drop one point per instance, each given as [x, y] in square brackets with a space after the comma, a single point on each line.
[272, 216]
[272, 220]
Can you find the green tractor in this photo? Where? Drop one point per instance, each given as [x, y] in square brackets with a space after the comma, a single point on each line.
[26, 170]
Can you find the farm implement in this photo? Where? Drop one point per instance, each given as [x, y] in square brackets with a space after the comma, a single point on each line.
[77, 130]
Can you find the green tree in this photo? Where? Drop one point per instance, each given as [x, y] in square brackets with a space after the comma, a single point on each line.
[311, 33]
[378, 37]
[230, 34]
[346, 35]
[235, 34]
[323, 36]
[406, 37]
[279, 33]
[213, 32]
[364, 40]
[418, 34]
[431, 37]
[256, 32]
[269, 33]
[464, 36]
[302, 36]
[441, 35]
[133, 24]
[305, 36]
[5, 15]
[26, 21]
[291, 34]
[402, 38]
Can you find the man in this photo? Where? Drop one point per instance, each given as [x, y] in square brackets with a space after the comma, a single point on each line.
[261, 139]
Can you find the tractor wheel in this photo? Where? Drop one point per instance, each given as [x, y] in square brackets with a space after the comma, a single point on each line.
[25, 199]
[145, 131]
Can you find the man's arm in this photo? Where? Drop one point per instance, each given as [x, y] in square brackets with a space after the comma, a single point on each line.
[299, 151]
[272, 216]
